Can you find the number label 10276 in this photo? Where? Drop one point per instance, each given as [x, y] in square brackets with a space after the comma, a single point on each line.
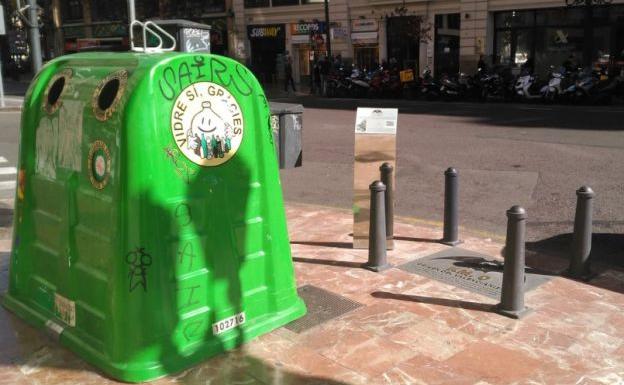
[228, 323]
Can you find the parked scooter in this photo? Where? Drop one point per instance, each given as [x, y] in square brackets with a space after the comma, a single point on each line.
[528, 86]
[558, 82]
[592, 87]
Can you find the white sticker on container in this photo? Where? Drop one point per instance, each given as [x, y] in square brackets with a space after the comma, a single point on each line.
[228, 323]
[65, 309]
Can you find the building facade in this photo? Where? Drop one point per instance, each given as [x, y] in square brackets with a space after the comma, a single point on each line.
[444, 35]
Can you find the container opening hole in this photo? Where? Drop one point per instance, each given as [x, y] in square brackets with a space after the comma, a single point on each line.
[108, 94]
[56, 90]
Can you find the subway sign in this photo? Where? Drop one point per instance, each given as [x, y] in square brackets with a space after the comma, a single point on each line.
[269, 31]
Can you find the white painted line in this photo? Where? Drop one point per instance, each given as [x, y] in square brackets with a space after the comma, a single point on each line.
[7, 185]
[3, 159]
[8, 171]
[599, 111]
[536, 108]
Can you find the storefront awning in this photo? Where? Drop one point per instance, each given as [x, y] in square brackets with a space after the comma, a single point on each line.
[364, 38]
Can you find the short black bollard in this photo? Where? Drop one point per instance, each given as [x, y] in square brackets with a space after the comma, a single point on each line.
[582, 237]
[512, 294]
[386, 171]
[451, 208]
[377, 230]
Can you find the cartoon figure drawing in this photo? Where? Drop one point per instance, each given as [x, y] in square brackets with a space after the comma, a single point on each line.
[204, 146]
[228, 143]
[207, 121]
[220, 153]
[213, 146]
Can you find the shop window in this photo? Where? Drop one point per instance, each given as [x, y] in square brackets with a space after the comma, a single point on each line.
[146, 9]
[366, 57]
[514, 19]
[601, 52]
[453, 20]
[446, 50]
[554, 46]
[72, 10]
[211, 6]
[256, 3]
[524, 47]
[560, 17]
[616, 14]
[277, 3]
[503, 47]
[403, 34]
[108, 10]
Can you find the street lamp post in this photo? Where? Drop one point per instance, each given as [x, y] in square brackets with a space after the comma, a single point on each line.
[35, 39]
[329, 50]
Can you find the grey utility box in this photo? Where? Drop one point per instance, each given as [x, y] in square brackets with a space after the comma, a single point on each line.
[287, 126]
[191, 36]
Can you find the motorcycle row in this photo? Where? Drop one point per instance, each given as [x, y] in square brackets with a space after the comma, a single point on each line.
[579, 86]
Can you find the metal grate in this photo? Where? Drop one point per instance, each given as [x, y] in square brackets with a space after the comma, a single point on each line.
[322, 306]
[469, 270]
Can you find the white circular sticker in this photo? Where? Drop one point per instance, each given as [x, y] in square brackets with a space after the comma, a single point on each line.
[100, 166]
[207, 124]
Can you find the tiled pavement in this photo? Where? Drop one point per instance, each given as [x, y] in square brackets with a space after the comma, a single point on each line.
[411, 330]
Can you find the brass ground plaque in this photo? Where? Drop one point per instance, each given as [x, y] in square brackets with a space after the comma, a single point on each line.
[469, 270]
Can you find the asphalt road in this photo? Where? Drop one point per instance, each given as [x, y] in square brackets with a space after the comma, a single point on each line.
[532, 155]
[9, 140]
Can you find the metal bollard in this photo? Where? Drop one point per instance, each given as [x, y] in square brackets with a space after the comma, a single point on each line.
[451, 208]
[377, 231]
[582, 237]
[386, 171]
[512, 293]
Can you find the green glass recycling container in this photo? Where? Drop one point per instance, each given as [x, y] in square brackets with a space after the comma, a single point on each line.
[150, 230]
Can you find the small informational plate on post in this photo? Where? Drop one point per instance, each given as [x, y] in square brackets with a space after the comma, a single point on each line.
[375, 144]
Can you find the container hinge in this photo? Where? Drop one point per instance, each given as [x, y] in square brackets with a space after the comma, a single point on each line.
[54, 329]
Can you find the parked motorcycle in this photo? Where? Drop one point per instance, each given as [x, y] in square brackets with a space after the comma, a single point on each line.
[410, 84]
[359, 84]
[338, 85]
[460, 88]
[430, 87]
[495, 87]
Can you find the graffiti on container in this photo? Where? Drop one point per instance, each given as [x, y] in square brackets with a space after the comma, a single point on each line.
[182, 169]
[183, 214]
[138, 261]
[189, 298]
[194, 329]
[187, 252]
[175, 78]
